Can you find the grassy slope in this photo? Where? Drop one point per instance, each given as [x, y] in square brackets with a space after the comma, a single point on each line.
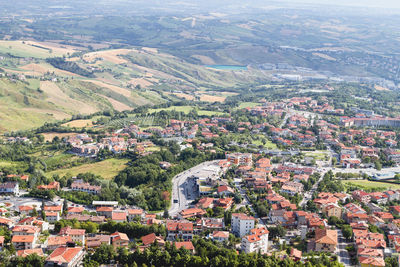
[107, 169]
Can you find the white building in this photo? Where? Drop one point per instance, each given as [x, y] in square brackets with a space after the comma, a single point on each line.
[256, 241]
[242, 224]
[9, 188]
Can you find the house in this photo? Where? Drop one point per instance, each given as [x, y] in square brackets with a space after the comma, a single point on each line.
[65, 257]
[242, 224]
[118, 216]
[105, 211]
[179, 229]
[52, 217]
[25, 210]
[361, 196]
[23, 241]
[26, 252]
[368, 257]
[332, 210]
[26, 230]
[57, 209]
[371, 262]
[225, 190]
[77, 235]
[255, 241]
[54, 242]
[9, 188]
[135, 214]
[119, 240]
[6, 222]
[1, 241]
[185, 244]
[191, 212]
[212, 223]
[295, 254]
[326, 240]
[96, 241]
[50, 186]
[205, 203]
[395, 210]
[85, 187]
[75, 210]
[149, 239]
[220, 236]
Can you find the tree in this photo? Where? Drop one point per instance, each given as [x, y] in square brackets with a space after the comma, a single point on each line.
[277, 231]
[166, 214]
[65, 206]
[347, 231]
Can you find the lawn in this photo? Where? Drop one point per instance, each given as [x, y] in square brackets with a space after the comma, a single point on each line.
[248, 105]
[317, 155]
[365, 184]
[107, 169]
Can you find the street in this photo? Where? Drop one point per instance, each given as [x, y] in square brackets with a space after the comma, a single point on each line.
[183, 189]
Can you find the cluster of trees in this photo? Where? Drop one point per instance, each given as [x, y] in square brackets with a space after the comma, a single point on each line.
[207, 254]
[330, 184]
[133, 229]
[90, 227]
[60, 63]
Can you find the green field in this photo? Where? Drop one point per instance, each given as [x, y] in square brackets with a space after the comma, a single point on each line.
[19, 49]
[107, 169]
[184, 109]
[365, 184]
[248, 105]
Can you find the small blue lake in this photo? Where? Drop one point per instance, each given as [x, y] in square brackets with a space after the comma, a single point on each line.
[227, 67]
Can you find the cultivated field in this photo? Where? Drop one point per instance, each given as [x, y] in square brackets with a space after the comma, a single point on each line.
[78, 123]
[30, 49]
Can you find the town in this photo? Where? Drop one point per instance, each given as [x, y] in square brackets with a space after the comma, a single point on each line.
[299, 179]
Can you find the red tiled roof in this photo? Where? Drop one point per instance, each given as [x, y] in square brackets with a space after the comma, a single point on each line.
[64, 254]
[148, 239]
[186, 244]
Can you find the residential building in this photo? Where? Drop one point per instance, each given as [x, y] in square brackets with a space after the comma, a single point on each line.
[9, 188]
[325, 240]
[23, 241]
[256, 241]
[77, 235]
[135, 214]
[65, 257]
[119, 240]
[179, 230]
[85, 187]
[220, 236]
[242, 224]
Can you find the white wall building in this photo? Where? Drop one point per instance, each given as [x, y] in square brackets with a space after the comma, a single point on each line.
[242, 224]
[256, 241]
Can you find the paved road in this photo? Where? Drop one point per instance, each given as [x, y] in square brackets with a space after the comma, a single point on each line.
[246, 201]
[308, 194]
[344, 256]
[183, 189]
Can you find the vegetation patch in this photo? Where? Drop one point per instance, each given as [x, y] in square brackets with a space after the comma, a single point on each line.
[107, 169]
